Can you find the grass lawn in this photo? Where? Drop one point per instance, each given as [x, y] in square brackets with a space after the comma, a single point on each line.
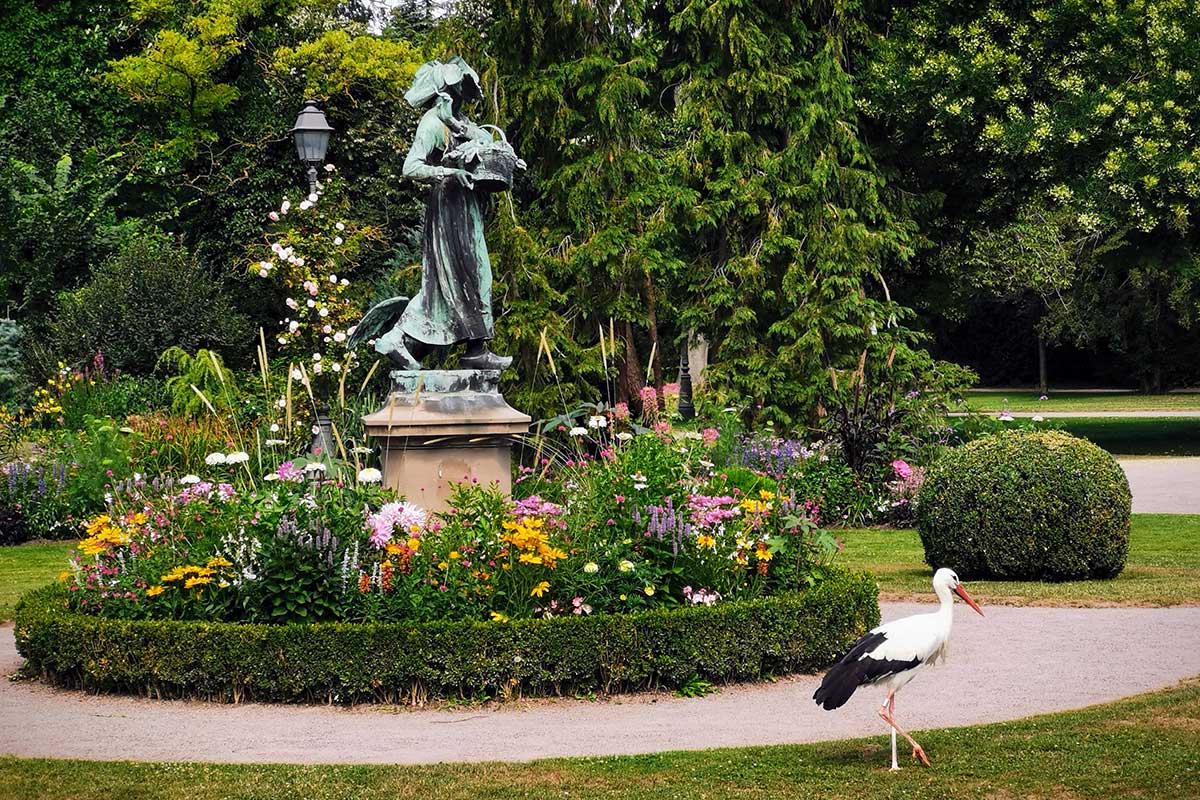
[1083, 401]
[28, 566]
[1141, 747]
[1163, 568]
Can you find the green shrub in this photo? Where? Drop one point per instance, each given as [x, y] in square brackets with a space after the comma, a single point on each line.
[150, 296]
[411, 662]
[1037, 505]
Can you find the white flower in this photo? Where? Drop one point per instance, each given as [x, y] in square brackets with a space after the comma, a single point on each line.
[293, 326]
[316, 429]
[369, 475]
[329, 167]
[316, 356]
[213, 459]
[624, 436]
[591, 568]
[337, 240]
[1038, 418]
[339, 337]
[188, 480]
[324, 312]
[333, 278]
[282, 403]
[1005, 416]
[314, 466]
[362, 451]
[276, 248]
[274, 442]
[625, 566]
[597, 422]
[311, 303]
[312, 198]
[639, 486]
[317, 368]
[344, 282]
[577, 431]
[270, 476]
[237, 457]
[340, 226]
[336, 367]
[327, 329]
[305, 205]
[296, 375]
[262, 273]
[639, 477]
[287, 204]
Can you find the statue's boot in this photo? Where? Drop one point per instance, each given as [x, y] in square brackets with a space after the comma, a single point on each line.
[479, 357]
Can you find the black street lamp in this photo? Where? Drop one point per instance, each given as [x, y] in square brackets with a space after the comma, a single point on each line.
[687, 409]
[311, 134]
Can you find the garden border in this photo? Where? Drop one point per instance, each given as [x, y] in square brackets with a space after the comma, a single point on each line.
[410, 663]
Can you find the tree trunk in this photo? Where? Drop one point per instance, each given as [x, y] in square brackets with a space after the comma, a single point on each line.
[1043, 382]
[652, 313]
[629, 380]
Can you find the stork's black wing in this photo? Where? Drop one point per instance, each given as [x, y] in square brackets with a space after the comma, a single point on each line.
[856, 669]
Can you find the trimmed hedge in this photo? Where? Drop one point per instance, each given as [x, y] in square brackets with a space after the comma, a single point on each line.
[410, 663]
[1039, 505]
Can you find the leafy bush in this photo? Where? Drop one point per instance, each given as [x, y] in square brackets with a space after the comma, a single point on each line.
[1026, 505]
[10, 360]
[414, 662]
[149, 296]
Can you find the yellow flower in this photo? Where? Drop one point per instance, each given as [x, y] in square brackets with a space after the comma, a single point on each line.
[455, 555]
[765, 495]
[540, 589]
[218, 561]
[154, 591]
[176, 574]
[394, 549]
[192, 583]
[62, 576]
[498, 617]
[704, 540]
[623, 597]
[414, 544]
[443, 565]
[530, 558]
[649, 590]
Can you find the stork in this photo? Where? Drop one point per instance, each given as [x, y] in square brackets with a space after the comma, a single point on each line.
[892, 655]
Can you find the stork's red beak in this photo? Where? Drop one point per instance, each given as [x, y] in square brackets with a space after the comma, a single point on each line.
[961, 592]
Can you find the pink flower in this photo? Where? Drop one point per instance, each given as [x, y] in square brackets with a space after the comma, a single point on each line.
[288, 471]
[710, 436]
[274, 216]
[901, 468]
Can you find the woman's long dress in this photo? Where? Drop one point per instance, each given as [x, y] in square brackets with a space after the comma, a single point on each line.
[455, 300]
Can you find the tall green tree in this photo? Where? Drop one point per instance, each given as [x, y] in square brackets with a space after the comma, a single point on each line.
[792, 225]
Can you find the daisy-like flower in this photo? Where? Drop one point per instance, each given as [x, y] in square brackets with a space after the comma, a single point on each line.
[577, 431]
[624, 436]
[597, 421]
[369, 475]
[314, 466]
[188, 480]
[238, 457]
[214, 459]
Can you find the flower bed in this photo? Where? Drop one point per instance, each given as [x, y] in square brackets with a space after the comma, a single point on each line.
[414, 662]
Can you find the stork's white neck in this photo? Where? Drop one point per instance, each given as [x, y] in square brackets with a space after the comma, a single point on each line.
[946, 598]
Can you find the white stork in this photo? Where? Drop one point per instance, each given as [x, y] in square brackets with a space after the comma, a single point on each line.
[892, 654]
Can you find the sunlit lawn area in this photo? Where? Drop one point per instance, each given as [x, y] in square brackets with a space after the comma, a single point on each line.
[1142, 747]
[28, 566]
[1163, 568]
[1083, 401]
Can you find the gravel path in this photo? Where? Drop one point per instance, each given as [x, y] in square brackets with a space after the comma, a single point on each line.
[1187, 413]
[1016, 662]
[1164, 485]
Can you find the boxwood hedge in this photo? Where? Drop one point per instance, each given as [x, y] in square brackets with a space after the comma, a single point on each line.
[1039, 505]
[410, 663]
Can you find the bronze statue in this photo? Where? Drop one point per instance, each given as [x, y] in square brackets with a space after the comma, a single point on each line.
[464, 162]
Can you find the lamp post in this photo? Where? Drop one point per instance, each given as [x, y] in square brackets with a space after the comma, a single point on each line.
[687, 409]
[311, 134]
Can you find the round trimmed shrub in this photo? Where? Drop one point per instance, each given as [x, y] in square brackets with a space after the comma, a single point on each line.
[1039, 505]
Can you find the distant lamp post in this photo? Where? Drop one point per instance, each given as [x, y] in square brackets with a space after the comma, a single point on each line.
[311, 134]
[687, 409]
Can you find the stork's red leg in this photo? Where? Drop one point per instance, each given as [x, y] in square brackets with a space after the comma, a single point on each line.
[887, 713]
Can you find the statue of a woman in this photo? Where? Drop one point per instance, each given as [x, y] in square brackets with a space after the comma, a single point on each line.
[455, 301]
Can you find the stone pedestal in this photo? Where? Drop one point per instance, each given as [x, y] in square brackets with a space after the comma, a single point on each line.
[441, 427]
